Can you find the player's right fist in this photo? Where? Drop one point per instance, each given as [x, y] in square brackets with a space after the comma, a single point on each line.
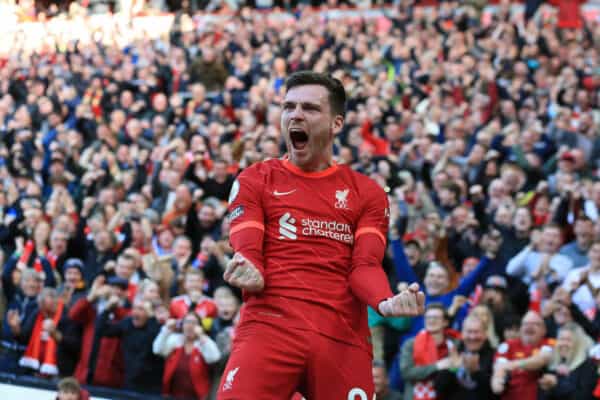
[241, 273]
[410, 302]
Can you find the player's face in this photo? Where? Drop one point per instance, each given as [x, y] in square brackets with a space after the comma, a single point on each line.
[308, 126]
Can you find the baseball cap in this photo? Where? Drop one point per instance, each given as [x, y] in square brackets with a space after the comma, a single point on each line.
[117, 281]
[73, 263]
[496, 282]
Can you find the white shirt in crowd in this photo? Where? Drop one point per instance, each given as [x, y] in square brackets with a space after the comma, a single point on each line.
[583, 296]
[527, 262]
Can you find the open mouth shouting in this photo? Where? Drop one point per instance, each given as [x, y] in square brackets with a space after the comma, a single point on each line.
[299, 138]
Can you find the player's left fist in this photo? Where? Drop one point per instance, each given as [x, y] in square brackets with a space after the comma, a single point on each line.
[241, 273]
[410, 302]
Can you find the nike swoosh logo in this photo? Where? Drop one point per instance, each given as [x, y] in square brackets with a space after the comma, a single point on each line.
[276, 193]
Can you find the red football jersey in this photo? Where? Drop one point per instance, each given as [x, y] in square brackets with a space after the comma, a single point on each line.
[522, 384]
[180, 305]
[302, 231]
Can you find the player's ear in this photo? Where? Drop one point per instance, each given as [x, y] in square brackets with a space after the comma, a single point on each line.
[337, 124]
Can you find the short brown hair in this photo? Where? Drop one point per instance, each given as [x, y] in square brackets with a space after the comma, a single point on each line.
[69, 385]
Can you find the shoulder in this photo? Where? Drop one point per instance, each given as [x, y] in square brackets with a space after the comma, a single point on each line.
[261, 169]
[178, 299]
[367, 188]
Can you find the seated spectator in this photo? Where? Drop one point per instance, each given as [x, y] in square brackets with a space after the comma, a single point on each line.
[571, 374]
[471, 380]
[189, 353]
[520, 362]
[432, 350]
[69, 389]
[381, 383]
[578, 249]
[143, 370]
[21, 308]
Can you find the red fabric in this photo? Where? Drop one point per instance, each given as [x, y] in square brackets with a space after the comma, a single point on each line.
[309, 222]
[131, 291]
[569, 13]
[427, 352]
[110, 368]
[40, 354]
[522, 384]
[205, 308]
[597, 390]
[381, 146]
[198, 370]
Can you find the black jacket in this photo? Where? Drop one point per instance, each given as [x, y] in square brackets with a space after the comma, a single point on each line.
[458, 386]
[143, 369]
[578, 385]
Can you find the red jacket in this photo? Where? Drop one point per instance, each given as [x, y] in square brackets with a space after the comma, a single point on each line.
[198, 370]
[109, 368]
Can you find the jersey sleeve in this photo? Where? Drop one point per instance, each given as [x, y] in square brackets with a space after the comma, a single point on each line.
[367, 278]
[246, 216]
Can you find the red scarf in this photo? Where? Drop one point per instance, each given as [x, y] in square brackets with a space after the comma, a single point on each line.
[425, 352]
[44, 363]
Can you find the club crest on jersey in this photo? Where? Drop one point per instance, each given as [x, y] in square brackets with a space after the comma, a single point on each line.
[341, 199]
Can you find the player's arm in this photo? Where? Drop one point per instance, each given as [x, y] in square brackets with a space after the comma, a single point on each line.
[367, 279]
[246, 215]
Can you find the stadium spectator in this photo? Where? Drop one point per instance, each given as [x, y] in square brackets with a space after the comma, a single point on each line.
[143, 370]
[21, 308]
[434, 349]
[380, 380]
[519, 362]
[69, 389]
[100, 360]
[189, 355]
[571, 374]
[472, 378]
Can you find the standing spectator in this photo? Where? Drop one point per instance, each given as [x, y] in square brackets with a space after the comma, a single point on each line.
[432, 350]
[143, 369]
[100, 360]
[23, 305]
[193, 285]
[584, 282]
[189, 355]
[471, 381]
[571, 374]
[584, 236]
[541, 260]
[381, 383]
[41, 330]
[209, 70]
[520, 362]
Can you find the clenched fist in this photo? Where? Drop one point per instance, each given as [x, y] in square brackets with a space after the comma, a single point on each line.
[410, 302]
[240, 272]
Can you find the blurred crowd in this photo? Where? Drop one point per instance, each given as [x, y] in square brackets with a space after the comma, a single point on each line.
[116, 164]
